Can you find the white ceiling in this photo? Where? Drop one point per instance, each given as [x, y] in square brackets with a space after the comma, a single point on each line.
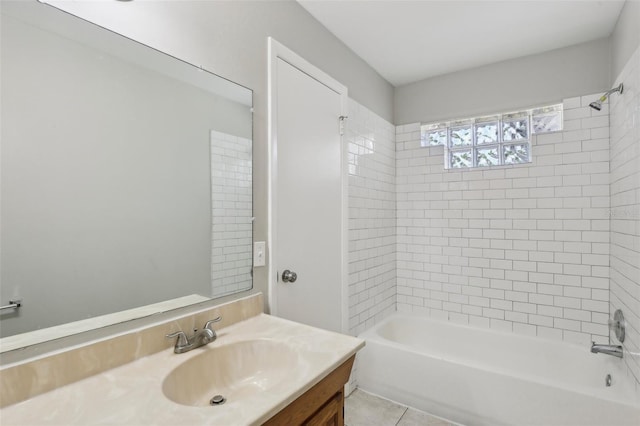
[407, 41]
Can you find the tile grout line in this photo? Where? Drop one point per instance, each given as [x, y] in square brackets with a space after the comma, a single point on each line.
[403, 413]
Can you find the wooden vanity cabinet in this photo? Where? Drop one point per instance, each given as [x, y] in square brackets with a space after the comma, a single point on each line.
[322, 405]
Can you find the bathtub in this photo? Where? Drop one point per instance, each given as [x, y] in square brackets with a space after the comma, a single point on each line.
[479, 376]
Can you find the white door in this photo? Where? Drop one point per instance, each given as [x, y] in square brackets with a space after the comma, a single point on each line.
[308, 195]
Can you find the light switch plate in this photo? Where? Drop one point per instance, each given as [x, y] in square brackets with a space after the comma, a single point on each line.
[259, 253]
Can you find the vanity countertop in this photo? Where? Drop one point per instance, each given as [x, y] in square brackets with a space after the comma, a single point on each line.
[132, 394]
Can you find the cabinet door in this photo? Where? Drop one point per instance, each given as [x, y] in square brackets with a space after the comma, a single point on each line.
[330, 414]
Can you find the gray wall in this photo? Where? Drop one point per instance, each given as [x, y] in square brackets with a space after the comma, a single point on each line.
[230, 39]
[625, 38]
[105, 180]
[517, 83]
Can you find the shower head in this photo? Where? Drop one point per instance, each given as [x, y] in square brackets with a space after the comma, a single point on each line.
[597, 105]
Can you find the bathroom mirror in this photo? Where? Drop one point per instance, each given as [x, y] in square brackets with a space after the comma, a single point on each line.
[125, 176]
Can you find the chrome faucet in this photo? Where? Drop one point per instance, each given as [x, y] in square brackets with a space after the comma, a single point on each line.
[615, 350]
[199, 338]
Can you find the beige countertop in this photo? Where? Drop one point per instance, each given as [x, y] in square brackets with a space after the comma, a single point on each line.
[132, 394]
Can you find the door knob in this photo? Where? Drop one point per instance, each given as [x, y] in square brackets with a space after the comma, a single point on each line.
[289, 276]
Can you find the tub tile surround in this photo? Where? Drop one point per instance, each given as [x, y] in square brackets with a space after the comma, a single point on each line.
[27, 379]
[522, 248]
[231, 222]
[625, 209]
[372, 218]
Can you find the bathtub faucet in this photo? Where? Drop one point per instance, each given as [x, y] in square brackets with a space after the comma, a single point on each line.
[615, 350]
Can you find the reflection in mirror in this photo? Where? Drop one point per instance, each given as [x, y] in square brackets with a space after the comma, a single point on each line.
[126, 176]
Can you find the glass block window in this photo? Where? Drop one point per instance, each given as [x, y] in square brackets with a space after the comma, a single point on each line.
[460, 136]
[516, 154]
[487, 157]
[433, 135]
[460, 159]
[515, 128]
[546, 119]
[497, 140]
[486, 132]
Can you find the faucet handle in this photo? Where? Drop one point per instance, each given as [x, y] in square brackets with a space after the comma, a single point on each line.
[208, 324]
[182, 338]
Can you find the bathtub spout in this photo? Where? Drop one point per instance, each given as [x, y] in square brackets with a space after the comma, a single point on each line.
[615, 350]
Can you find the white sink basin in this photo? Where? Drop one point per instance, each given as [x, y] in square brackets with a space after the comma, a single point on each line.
[236, 371]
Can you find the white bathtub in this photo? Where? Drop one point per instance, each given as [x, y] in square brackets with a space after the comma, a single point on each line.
[483, 377]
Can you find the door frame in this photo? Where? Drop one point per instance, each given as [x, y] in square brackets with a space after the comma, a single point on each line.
[277, 51]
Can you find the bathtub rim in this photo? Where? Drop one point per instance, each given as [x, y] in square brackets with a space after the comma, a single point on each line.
[631, 399]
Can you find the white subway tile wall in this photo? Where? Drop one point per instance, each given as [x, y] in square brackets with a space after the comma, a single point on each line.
[231, 204]
[625, 209]
[372, 218]
[520, 248]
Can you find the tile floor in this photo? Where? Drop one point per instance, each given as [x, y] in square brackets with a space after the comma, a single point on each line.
[364, 409]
